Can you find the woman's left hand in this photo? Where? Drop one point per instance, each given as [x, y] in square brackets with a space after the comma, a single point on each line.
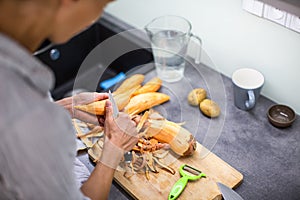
[83, 98]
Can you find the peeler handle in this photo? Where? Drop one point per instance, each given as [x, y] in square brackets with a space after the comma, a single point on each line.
[112, 81]
[177, 188]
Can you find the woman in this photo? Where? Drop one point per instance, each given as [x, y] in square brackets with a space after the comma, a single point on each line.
[37, 144]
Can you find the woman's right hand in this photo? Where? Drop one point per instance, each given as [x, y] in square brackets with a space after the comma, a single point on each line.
[120, 136]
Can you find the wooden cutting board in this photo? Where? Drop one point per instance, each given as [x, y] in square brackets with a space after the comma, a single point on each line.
[160, 184]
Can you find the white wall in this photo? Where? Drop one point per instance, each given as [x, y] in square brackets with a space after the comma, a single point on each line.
[232, 38]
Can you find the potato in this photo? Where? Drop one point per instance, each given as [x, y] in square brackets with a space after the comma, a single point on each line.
[196, 96]
[210, 108]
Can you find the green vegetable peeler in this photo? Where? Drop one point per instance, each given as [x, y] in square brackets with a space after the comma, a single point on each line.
[187, 173]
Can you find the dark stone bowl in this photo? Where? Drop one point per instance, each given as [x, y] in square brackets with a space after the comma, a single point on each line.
[281, 115]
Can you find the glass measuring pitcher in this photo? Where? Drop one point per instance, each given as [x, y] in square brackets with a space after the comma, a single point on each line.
[170, 36]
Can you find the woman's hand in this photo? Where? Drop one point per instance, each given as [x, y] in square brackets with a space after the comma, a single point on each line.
[120, 136]
[83, 98]
[121, 131]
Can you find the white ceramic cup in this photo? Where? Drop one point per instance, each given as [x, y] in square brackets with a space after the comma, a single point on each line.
[247, 84]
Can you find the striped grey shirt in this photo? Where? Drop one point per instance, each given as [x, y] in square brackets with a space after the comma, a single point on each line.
[37, 144]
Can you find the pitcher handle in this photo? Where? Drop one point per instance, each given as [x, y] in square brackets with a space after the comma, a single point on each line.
[251, 100]
[198, 55]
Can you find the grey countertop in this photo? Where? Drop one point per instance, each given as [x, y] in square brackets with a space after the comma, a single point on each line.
[268, 157]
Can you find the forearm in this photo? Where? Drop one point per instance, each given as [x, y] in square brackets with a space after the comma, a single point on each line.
[98, 184]
[120, 136]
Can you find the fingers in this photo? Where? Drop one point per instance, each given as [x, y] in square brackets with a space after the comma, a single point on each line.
[86, 117]
[89, 97]
[136, 119]
[101, 120]
[100, 96]
[84, 98]
[125, 124]
[108, 110]
[65, 101]
[121, 131]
